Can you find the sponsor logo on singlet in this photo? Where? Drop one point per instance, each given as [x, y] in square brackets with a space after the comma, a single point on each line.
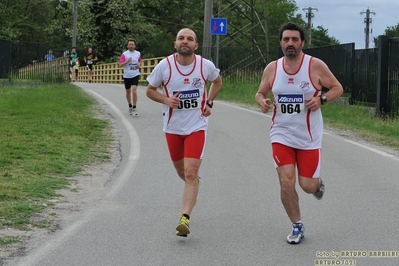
[290, 98]
[188, 94]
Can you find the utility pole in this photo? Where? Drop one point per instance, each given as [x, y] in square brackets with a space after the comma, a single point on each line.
[75, 17]
[207, 37]
[266, 32]
[368, 21]
[75, 22]
[218, 36]
[309, 15]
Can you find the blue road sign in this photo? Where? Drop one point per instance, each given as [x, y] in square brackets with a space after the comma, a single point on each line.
[218, 26]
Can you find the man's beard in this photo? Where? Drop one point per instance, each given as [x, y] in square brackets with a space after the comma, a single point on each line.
[187, 51]
[291, 53]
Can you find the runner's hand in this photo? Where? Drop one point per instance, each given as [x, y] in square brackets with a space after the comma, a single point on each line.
[174, 101]
[265, 105]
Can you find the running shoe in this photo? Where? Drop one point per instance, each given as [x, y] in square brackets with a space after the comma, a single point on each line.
[319, 192]
[130, 110]
[297, 234]
[135, 111]
[183, 228]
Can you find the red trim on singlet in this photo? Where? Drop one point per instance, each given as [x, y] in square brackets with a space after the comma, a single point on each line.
[170, 71]
[308, 124]
[195, 64]
[316, 93]
[275, 74]
[300, 66]
[274, 102]
[167, 95]
[165, 89]
[310, 77]
[204, 96]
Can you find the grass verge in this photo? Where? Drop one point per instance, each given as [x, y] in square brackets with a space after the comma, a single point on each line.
[360, 120]
[48, 133]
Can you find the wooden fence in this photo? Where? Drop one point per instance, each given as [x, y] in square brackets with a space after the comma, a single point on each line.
[43, 70]
[102, 73]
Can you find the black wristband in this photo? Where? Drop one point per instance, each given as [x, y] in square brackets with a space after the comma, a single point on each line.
[323, 99]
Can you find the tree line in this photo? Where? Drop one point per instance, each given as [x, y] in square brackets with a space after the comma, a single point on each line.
[105, 25]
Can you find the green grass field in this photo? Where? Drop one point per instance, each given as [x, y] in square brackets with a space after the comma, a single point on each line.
[48, 133]
[357, 119]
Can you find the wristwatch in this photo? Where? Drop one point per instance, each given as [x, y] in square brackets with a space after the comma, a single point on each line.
[323, 99]
[209, 103]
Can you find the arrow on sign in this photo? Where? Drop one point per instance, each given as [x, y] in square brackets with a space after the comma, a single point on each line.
[221, 26]
[215, 27]
[218, 26]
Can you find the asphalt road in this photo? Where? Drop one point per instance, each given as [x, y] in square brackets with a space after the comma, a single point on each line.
[239, 218]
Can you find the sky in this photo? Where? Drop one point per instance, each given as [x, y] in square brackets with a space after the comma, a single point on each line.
[344, 21]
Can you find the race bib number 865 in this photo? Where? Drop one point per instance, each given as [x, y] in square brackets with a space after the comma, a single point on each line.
[290, 103]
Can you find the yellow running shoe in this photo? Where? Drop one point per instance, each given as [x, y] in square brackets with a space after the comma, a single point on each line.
[183, 228]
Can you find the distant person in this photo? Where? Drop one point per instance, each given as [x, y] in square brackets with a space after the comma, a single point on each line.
[186, 110]
[296, 81]
[130, 61]
[49, 57]
[77, 65]
[90, 58]
[74, 65]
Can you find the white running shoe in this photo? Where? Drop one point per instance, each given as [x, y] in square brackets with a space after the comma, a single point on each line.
[297, 234]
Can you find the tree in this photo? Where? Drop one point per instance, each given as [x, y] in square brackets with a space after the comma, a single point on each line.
[59, 29]
[168, 17]
[320, 37]
[391, 31]
[115, 21]
[24, 20]
[107, 24]
[247, 21]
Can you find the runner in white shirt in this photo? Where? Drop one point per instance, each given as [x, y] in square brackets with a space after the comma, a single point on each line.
[130, 61]
[186, 107]
[296, 81]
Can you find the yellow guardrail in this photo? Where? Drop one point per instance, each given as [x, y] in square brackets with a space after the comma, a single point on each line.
[102, 73]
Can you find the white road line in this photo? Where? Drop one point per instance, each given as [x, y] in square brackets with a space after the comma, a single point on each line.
[364, 146]
[134, 154]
